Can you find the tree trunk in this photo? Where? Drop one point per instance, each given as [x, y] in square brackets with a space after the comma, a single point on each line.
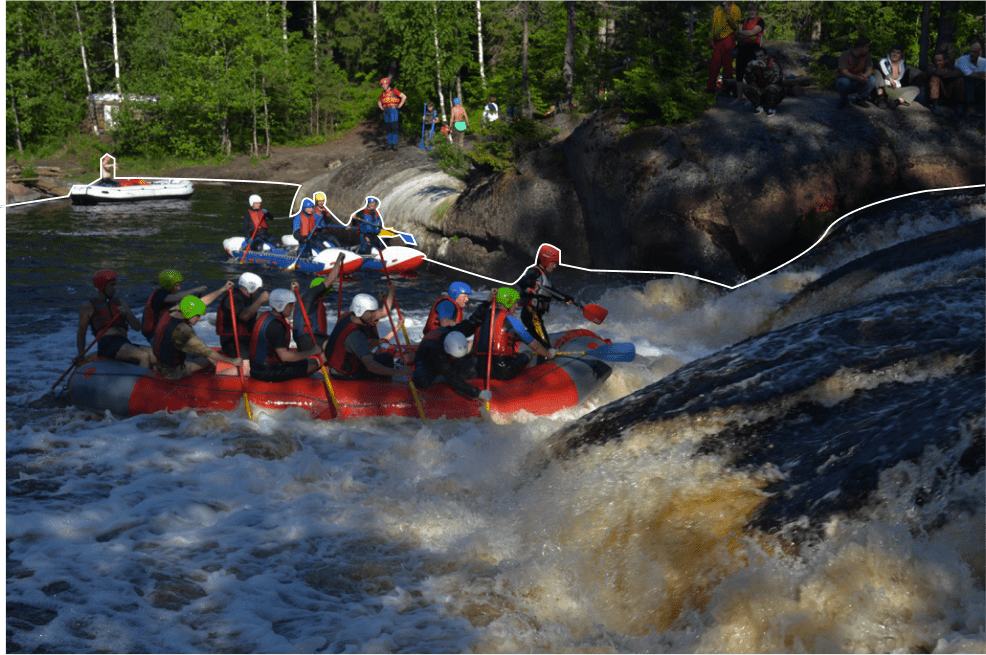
[568, 67]
[315, 32]
[254, 148]
[525, 93]
[116, 49]
[925, 37]
[438, 63]
[263, 85]
[85, 68]
[946, 28]
[17, 122]
[479, 37]
[284, 37]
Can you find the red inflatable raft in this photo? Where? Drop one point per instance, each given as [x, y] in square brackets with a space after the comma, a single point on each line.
[128, 390]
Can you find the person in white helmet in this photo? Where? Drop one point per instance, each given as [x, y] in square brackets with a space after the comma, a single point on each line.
[444, 352]
[255, 224]
[271, 358]
[247, 299]
[350, 346]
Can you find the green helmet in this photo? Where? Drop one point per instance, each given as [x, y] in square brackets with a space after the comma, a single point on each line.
[317, 281]
[507, 297]
[192, 306]
[168, 279]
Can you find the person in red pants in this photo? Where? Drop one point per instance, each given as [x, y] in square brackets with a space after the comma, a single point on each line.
[724, 24]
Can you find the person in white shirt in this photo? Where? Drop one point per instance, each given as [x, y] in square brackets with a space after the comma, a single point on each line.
[973, 67]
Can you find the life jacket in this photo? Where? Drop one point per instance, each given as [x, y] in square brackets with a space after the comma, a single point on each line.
[749, 24]
[323, 212]
[152, 310]
[306, 223]
[390, 98]
[316, 317]
[104, 313]
[226, 314]
[504, 343]
[433, 319]
[258, 218]
[532, 297]
[261, 349]
[339, 359]
[373, 222]
[164, 347]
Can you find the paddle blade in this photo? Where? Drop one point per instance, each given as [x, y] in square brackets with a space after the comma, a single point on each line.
[595, 313]
[614, 352]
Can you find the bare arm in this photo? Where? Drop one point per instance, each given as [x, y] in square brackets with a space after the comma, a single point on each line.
[85, 315]
[210, 298]
[373, 366]
[129, 315]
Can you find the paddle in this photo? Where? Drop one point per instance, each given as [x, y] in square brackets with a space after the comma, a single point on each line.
[613, 352]
[593, 313]
[489, 353]
[94, 342]
[410, 381]
[246, 246]
[301, 250]
[325, 374]
[424, 119]
[391, 232]
[236, 339]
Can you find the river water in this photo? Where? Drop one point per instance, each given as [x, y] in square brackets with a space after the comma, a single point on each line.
[215, 533]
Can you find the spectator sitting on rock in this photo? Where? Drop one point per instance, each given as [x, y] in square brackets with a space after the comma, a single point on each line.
[890, 90]
[763, 83]
[945, 84]
[855, 80]
[749, 36]
[973, 67]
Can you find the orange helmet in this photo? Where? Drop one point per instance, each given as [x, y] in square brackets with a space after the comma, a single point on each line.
[548, 254]
[100, 279]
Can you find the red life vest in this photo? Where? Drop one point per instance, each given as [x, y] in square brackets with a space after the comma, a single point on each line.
[226, 314]
[504, 343]
[105, 312]
[340, 360]
[262, 351]
[390, 98]
[258, 219]
[307, 223]
[151, 314]
[164, 347]
[749, 24]
[433, 319]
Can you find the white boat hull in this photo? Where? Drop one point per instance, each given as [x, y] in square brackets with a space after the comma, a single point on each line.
[91, 194]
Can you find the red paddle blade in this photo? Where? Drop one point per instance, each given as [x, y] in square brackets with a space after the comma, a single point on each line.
[595, 313]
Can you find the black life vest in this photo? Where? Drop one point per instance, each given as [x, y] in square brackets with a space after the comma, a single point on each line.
[262, 351]
[316, 317]
[164, 347]
[225, 315]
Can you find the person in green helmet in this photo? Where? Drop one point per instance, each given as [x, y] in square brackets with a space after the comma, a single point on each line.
[174, 339]
[312, 303]
[168, 294]
[505, 361]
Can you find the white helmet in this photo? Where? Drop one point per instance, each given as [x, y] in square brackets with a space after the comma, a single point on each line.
[279, 299]
[362, 303]
[456, 344]
[254, 199]
[251, 282]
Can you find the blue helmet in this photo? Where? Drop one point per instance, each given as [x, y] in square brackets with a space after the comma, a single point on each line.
[457, 288]
[307, 204]
[456, 101]
[370, 199]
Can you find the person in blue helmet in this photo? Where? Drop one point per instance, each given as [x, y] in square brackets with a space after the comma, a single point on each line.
[369, 223]
[460, 122]
[447, 310]
[307, 227]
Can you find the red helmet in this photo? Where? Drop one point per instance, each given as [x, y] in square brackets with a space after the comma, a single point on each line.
[384, 79]
[100, 279]
[548, 254]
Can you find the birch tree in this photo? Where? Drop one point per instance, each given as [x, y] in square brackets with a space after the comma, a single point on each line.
[85, 68]
[479, 40]
[116, 49]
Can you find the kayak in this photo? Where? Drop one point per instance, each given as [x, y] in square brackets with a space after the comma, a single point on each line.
[129, 190]
[127, 390]
[399, 259]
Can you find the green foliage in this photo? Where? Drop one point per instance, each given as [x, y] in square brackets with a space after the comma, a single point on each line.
[88, 149]
[503, 143]
[450, 159]
[648, 99]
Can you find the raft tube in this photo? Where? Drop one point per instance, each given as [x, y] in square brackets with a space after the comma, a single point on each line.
[128, 390]
[399, 259]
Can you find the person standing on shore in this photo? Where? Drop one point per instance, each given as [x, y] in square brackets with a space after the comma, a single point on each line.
[724, 25]
[390, 101]
[460, 122]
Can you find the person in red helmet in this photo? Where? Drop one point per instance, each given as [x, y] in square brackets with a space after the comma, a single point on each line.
[108, 317]
[536, 293]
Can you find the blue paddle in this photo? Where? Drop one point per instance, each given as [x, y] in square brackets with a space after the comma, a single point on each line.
[613, 352]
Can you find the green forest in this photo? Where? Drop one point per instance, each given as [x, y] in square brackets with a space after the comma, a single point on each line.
[203, 81]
